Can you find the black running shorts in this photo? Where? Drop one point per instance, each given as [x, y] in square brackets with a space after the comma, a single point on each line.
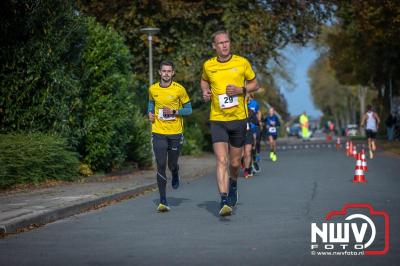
[232, 132]
[249, 140]
[370, 134]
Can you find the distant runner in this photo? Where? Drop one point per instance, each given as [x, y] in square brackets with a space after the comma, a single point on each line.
[255, 127]
[272, 124]
[371, 122]
[305, 133]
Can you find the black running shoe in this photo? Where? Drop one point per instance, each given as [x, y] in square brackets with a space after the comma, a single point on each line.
[233, 193]
[256, 167]
[175, 181]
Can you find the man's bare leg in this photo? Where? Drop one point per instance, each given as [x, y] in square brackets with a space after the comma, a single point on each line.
[235, 155]
[221, 154]
[247, 155]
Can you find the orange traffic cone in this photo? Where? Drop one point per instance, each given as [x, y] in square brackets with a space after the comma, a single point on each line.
[347, 148]
[350, 148]
[359, 176]
[355, 151]
[364, 161]
[338, 144]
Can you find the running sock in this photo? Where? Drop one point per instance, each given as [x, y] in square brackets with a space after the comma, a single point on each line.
[224, 197]
[163, 200]
[233, 182]
[162, 183]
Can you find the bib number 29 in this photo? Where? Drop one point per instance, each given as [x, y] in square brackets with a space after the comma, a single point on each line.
[226, 101]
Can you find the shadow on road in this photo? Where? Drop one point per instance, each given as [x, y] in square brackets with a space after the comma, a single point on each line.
[213, 208]
[172, 201]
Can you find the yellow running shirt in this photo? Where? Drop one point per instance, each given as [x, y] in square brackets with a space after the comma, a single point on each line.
[235, 71]
[174, 97]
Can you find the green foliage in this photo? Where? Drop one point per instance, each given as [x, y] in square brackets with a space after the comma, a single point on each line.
[258, 30]
[40, 49]
[107, 114]
[194, 140]
[139, 147]
[364, 49]
[35, 157]
[64, 73]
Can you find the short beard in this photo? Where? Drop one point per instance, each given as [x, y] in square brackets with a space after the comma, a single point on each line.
[167, 80]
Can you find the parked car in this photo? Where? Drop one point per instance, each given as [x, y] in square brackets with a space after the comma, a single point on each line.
[352, 130]
[295, 130]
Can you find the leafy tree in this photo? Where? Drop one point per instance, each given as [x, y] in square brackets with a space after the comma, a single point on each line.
[258, 29]
[338, 102]
[40, 49]
[63, 73]
[365, 49]
[106, 115]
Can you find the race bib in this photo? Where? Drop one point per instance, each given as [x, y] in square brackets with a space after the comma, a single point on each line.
[226, 101]
[165, 117]
[272, 129]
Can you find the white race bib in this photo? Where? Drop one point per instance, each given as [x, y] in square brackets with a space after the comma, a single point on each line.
[161, 116]
[226, 101]
[272, 129]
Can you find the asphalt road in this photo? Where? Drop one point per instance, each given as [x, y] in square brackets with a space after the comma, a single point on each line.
[270, 226]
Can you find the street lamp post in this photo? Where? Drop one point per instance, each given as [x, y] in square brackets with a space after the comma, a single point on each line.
[150, 32]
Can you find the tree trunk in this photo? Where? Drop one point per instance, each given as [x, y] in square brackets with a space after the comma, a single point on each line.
[362, 95]
[347, 112]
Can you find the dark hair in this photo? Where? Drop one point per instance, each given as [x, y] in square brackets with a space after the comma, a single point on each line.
[218, 32]
[167, 63]
[369, 107]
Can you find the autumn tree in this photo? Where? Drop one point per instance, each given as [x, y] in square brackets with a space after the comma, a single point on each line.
[366, 48]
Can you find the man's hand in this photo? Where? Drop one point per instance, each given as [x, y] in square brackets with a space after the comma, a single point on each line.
[151, 117]
[167, 111]
[206, 95]
[232, 90]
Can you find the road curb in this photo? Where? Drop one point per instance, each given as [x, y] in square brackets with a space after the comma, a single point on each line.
[67, 211]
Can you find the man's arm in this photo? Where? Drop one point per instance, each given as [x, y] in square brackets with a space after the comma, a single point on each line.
[278, 122]
[206, 91]
[252, 86]
[377, 118]
[364, 117]
[150, 110]
[259, 115]
[185, 110]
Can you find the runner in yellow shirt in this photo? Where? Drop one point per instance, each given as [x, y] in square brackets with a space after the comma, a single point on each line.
[168, 102]
[225, 80]
[305, 133]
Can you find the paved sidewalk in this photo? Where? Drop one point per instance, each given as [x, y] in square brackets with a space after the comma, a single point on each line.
[24, 209]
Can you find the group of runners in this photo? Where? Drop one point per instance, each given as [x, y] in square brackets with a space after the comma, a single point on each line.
[228, 82]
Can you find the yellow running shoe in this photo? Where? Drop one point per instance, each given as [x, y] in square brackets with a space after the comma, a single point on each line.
[225, 210]
[162, 208]
[274, 158]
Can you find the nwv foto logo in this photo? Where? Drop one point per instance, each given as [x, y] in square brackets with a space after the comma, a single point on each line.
[356, 233]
